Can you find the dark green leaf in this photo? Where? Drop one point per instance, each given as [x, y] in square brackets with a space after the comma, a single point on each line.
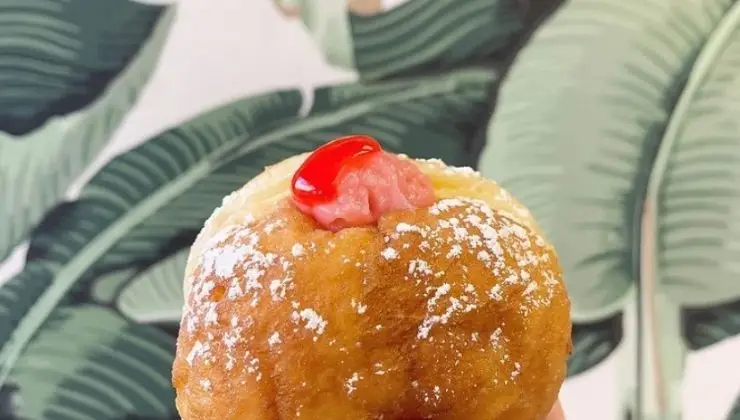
[424, 36]
[593, 342]
[735, 412]
[706, 326]
[139, 205]
[36, 173]
[57, 57]
[8, 402]
[416, 37]
[90, 363]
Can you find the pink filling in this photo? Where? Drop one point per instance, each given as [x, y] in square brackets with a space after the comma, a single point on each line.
[383, 184]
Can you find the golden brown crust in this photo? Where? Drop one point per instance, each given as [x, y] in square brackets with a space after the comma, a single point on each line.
[453, 312]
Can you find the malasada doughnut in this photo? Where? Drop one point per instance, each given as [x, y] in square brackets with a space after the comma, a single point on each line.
[356, 284]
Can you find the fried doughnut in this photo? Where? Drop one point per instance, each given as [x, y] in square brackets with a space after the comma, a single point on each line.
[455, 310]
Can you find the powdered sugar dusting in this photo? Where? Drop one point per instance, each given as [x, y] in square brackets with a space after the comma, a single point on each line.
[274, 339]
[297, 250]
[464, 227]
[471, 227]
[358, 306]
[311, 321]
[234, 266]
[389, 254]
[205, 384]
[351, 383]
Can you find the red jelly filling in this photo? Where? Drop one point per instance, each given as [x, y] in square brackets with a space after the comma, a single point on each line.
[315, 181]
[351, 181]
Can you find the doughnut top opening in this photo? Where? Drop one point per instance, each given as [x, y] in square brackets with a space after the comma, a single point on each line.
[351, 182]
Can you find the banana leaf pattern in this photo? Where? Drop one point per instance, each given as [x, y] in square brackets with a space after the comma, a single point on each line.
[616, 123]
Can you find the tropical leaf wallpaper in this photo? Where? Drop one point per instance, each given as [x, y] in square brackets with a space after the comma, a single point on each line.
[123, 123]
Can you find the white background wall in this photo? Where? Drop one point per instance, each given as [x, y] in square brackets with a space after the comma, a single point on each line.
[220, 50]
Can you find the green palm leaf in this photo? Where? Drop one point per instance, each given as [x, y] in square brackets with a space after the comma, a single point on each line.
[593, 342]
[36, 173]
[419, 36]
[58, 58]
[149, 295]
[710, 325]
[694, 184]
[90, 363]
[156, 295]
[599, 92]
[735, 412]
[431, 35]
[144, 202]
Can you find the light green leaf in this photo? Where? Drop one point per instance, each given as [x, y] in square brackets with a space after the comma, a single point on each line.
[613, 105]
[696, 221]
[156, 295]
[152, 295]
[90, 363]
[575, 138]
[87, 84]
[143, 204]
[695, 177]
[328, 23]
[108, 286]
[418, 36]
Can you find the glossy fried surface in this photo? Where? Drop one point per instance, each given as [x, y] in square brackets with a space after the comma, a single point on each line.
[457, 311]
